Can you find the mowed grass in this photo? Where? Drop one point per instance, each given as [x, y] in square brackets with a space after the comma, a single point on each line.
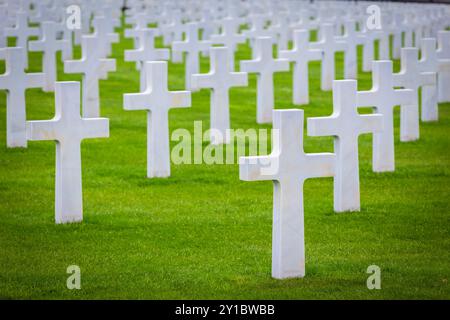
[203, 233]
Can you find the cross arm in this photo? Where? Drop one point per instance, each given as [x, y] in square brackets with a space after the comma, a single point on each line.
[403, 97]
[113, 37]
[95, 128]
[400, 79]
[180, 99]
[258, 168]
[37, 45]
[4, 82]
[107, 65]
[238, 79]
[160, 54]
[35, 80]
[179, 46]
[368, 98]
[320, 165]
[290, 55]
[314, 54]
[133, 55]
[281, 65]
[323, 126]
[428, 78]
[444, 65]
[136, 101]
[371, 123]
[202, 81]
[42, 130]
[251, 66]
[74, 66]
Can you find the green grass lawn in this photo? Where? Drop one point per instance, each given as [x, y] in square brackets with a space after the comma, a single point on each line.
[203, 233]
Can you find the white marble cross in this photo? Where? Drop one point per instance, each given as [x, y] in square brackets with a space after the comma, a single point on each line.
[288, 166]
[329, 45]
[174, 32]
[352, 39]
[49, 46]
[301, 55]
[345, 124]
[265, 66]
[410, 77]
[429, 62]
[22, 32]
[258, 30]
[192, 46]
[220, 79]
[383, 97]
[16, 81]
[157, 100]
[443, 53]
[229, 37]
[92, 66]
[282, 31]
[104, 36]
[146, 52]
[68, 129]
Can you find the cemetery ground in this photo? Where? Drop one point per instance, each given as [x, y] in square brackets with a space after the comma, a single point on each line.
[203, 233]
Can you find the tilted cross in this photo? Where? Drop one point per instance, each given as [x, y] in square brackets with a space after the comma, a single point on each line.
[410, 77]
[345, 125]
[301, 55]
[16, 81]
[68, 129]
[220, 79]
[265, 66]
[329, 45]
[288, 166]
[192, 46]
[383, 97]
[92, 66]
[22, 32]
[157, 100]
[49, 45]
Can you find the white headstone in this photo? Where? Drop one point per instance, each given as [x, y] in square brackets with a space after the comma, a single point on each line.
[329, 45]
[264, 65]
[220, 79]
[16, 81]
[49, 45]
[68, 129]
[92, 66]
[157, 100]
[345, 125]
[192, 46]
[410, 77]
[288, 166]
[383, 97]
[301, 55]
